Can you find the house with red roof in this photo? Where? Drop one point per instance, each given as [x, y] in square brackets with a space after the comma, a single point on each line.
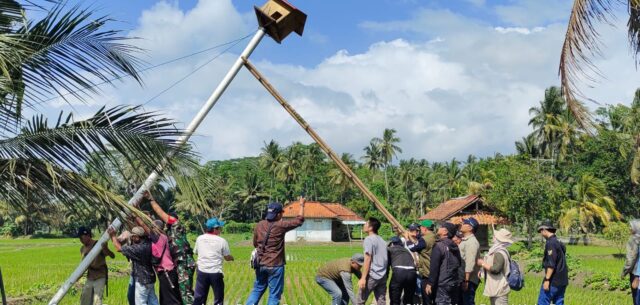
[324, 222]
[457, 209]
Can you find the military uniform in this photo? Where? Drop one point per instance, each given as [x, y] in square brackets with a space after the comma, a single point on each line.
[185, 263]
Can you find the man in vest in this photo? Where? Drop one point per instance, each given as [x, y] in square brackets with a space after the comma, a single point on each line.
[470, 251]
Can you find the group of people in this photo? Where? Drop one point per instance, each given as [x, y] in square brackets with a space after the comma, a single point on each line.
[440, 266]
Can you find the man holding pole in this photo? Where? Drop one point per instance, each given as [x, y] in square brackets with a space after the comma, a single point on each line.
[182, 253]
[97, 271]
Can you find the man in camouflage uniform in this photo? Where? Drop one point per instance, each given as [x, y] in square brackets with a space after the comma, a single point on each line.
[180, 250]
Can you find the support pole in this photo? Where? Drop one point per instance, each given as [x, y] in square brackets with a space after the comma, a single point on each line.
[332, 155]
[233, 71]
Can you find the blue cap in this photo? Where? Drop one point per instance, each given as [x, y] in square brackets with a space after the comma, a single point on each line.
[273, 209]
[396, 240]
[472, 222]
[414, 227]
[213, 223]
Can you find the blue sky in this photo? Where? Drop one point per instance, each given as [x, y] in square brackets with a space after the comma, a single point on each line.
[453, 77]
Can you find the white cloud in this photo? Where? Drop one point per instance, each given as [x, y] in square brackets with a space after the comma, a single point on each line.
[453, 86]
[534, 12]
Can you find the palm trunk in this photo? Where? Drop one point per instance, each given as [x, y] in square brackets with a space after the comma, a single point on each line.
[386, 183]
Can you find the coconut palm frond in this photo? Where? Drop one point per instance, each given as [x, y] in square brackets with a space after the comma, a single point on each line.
[580, 45]
[633, 26]
[140, 137]
[568, 219]
[25, 180]
[10, 12]
[71, 52]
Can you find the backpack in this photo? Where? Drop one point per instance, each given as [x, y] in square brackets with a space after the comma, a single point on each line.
[515, 277]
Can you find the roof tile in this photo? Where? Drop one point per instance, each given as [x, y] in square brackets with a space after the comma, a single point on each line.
[314, 209]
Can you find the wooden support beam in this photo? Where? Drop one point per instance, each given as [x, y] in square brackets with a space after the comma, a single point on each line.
[323, 145]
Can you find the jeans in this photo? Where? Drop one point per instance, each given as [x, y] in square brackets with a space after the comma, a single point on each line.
[92, 292]
[131, 291]
[339, 295]
[469, 296]
[146, 294]
[402, 282]
[203, 282]
[272, 277]
[555, 295]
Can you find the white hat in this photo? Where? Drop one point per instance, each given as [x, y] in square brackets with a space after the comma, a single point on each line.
[503, 235]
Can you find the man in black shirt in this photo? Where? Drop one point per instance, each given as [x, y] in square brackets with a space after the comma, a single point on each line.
[403, 276]
[139, 252]
[447, 270]
[556, 273]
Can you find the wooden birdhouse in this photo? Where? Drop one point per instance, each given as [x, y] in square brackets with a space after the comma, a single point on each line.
[279, 18]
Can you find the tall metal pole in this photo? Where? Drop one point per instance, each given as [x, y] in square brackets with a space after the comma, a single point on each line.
[154, 176]
[323, 145]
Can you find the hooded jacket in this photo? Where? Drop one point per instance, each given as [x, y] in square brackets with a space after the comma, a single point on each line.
[446, 265]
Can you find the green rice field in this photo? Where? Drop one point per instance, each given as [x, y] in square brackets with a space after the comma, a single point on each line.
[33, 269]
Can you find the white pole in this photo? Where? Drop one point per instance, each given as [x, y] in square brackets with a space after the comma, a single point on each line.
[152, 178]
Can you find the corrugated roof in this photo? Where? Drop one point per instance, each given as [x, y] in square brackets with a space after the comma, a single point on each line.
[482, 218]
[314, 209]
[449, 208]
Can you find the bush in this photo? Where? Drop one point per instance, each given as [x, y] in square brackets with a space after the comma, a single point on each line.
[617, 233]
[608, 281]
[238, 227]
[10, 229]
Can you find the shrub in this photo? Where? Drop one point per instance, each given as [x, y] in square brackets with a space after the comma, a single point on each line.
[608, 281]
[617, 233]
[238, 227]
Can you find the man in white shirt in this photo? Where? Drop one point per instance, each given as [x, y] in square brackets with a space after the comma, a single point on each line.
[212, 250]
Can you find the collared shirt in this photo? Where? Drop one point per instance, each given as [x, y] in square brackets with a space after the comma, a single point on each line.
[98, 268]
[273, 253]
[470, 251]
[555, 257]
[140, 256]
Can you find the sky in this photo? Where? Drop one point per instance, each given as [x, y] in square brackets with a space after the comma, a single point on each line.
[452, 77]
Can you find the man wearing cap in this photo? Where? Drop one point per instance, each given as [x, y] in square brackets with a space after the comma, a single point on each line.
[183, 254]
[470, 251]
[268, 239]
[421, 241]
[445, 275]
[139, 252]
[212, 250]
[335, 278]
[97, 271]
[403, 276]
[556, 273]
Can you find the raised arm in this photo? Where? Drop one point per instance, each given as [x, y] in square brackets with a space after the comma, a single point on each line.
[114, 240]
[156, 207]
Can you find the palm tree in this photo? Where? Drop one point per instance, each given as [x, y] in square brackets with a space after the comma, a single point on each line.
[565, 133]
[372, 157]
[590, 204]
[250, 193]
[269, 160]
[289, 166]
[339, 179]
[552, 106]
[629, 135]
[426, 186]
[388, 150]
[582, 43]
[528, 146]
[451, 178]
[407, 176]
[68, 51]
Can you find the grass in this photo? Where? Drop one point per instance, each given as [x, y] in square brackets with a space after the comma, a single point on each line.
[33, 269]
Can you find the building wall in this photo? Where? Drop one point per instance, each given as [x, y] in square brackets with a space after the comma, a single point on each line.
[313, 230]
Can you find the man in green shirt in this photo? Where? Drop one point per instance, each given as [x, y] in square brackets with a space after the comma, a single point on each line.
[335, 278]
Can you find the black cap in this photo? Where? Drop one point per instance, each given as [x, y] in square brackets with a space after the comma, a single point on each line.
[83, 231]
[414, 227]
[396, 240]
[451, 229]
[547, 225]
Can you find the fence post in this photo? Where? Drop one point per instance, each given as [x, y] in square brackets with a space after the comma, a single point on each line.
[4, 297]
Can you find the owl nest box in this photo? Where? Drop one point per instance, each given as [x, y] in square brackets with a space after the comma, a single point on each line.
[279, 18]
